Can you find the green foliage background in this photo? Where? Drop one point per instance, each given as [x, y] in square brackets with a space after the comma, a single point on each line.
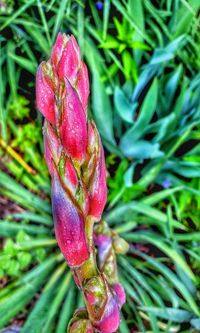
[144, 59]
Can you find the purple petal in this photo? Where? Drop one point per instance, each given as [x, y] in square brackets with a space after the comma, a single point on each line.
[69, 226]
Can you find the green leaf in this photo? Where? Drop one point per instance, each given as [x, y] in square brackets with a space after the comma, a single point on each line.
[138, 28]
[11, 69]
[27, 64]
[67, 310]
[53, 309]
[117, 215]
[161, 195]
[128, 140]
[123, 326]
[41, 219]
[10, 229]
[106, 12]
[8, 20]
[14, 268]
[140, 149]
[15, 191]
[16, 302]
[135, 9]
[195, 323]
[127, 61]
[175, 315]
[152, 238]
[184, 17]
[172, 84]
[59, 17]
[24, 259]
[164, 270]
[110, 43]
[26, 278]
[39, 38]
[80, 28]
[101, 104]
[44, 21]
[139, 278]
[123, 106]
[37, 318]
[165, 54]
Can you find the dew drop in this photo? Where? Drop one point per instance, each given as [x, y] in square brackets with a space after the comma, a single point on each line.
[70, 105]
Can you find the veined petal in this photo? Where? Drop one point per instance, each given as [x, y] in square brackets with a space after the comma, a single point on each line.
[45, 96]
[73, 130]
[69, 226]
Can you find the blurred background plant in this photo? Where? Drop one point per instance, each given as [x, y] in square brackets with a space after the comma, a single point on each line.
[144, 59]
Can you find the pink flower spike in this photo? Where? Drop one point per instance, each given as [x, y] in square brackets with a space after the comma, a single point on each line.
[45, 96]
[73, 130]
[69, 226]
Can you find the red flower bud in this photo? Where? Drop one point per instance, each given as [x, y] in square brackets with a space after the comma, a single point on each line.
[97, 171]
[98, 190]
[110, 320]
[82, 85]
[121, 296]
[69, 225]
[45, 96]
[73, 130]
[52, 147]
[70, 59]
